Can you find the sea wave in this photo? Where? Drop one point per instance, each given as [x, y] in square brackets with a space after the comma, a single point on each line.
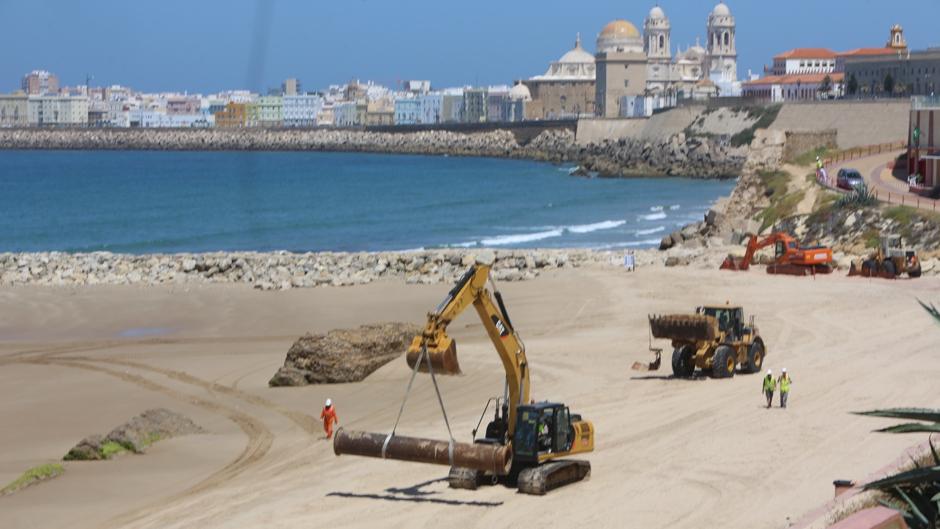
[503, 240]
[650, 231]
[674, 207]
[656, 208]
[653, 216]
[588, 228]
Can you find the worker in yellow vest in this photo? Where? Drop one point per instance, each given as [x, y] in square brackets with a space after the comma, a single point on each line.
[769, 386]
[784, 382]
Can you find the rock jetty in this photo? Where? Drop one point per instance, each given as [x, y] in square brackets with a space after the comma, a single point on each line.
[699, 157]
[279, 270]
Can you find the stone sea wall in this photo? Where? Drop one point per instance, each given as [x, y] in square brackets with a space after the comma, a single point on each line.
[284, 270]
[676, 155]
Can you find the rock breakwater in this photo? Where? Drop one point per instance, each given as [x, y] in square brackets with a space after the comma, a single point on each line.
[676, 156]
[279, 270]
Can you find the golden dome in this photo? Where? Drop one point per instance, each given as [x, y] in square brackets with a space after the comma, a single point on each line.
[620, 28]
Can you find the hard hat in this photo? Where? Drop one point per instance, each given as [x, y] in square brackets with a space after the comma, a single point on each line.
[770, 372]
[784, 370]
[329, 403]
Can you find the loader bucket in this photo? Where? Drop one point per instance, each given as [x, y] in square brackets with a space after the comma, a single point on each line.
[686, 327]
[733, 263]
[493, 458]
[443, 358]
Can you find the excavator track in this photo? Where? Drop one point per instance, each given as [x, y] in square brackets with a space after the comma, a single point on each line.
[469, 479]
[552, 475]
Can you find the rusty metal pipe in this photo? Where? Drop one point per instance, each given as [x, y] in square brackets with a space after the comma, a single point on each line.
[495, 459]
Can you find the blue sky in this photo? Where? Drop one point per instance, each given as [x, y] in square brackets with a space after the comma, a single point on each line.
[210, 45]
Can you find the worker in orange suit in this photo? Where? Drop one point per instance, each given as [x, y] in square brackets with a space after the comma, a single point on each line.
[329, 418]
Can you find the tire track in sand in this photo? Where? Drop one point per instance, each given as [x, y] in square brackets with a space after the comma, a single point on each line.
[259, 443]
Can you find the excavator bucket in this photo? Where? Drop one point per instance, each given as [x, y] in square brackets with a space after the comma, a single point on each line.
[733, 263]
[443, 357]
[493, 458]
[652, 366]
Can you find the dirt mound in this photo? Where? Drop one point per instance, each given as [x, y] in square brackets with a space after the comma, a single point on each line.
[343, 355]
[135, 435]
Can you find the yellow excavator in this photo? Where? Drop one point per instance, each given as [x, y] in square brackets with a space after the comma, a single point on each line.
[526, 444]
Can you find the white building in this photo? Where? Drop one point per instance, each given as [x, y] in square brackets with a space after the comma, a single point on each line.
[722, 51]
[301, 110]
[46, 110]
[804, 60]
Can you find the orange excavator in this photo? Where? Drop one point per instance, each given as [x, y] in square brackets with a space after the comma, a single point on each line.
[789, 257]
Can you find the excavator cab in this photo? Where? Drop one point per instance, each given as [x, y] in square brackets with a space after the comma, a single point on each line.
[542, 429]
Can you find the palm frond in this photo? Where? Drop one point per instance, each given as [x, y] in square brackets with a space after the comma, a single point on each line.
[911, 427]
[931, 309]
[917, 414]
[908, 478]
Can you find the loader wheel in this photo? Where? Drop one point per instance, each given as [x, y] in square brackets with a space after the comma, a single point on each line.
[914, 272]
[869, 268]
[682, 364]
[723, 363]
[755, 356]
[890, 271]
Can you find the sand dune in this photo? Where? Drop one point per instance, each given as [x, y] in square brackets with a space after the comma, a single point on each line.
[670, 453]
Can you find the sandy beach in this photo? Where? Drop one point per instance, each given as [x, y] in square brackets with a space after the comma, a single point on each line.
[670, 453]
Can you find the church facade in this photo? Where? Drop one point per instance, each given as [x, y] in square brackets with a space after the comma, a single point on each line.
[632, 68]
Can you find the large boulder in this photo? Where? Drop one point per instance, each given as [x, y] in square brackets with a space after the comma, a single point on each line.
[343, 355]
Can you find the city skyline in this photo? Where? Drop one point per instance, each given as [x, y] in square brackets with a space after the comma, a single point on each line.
[212, 46]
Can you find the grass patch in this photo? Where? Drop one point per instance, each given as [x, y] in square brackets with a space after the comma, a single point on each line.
[782, 204]
[809, 157]
[872, 238]
[111, 448]
[33, 476]
[764, 116]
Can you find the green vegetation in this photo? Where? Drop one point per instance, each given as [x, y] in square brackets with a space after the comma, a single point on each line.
[33, 476]
[111, 448]
[872, 238]
[852, 85]
[931, 309]
[915, 492]
[860, 197]
[764, 116]
[782, 204]
[809, 157]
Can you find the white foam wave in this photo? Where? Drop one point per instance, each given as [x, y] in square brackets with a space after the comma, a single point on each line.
[650, 231]
[656, 208]
[588, 228]
[653, 216]
[503, 240]
[674, 207]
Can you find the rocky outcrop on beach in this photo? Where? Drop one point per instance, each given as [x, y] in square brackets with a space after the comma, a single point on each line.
[696, 157]
[343, 355]
[278, 270]
[136, 435]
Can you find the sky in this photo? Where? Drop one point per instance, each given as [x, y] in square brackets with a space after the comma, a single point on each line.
[207, 46]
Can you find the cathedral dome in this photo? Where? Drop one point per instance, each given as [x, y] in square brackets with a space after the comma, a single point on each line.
[520, 91]
[721, 10]
[619, 35]
[577, 54]
[657, 13]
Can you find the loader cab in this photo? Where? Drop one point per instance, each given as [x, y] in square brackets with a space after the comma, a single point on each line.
[730, 319]
[541, 428]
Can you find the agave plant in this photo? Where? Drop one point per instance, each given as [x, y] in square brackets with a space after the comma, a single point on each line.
[918, 488]
[931, 309]
[860, 197]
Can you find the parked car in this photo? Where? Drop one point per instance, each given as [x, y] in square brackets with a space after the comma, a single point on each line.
[849, 179]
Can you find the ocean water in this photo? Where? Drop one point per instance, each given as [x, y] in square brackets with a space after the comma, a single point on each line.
[144, 202]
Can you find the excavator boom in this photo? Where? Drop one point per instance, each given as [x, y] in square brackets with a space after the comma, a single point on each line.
[789, 257]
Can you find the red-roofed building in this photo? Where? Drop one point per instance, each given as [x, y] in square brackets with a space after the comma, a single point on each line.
[804, 60]
[797, 87]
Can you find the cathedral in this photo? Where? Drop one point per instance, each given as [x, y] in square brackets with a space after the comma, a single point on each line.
[629, 70]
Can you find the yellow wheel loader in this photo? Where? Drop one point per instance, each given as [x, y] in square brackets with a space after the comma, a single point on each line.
[715, 339]
[526, 444]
